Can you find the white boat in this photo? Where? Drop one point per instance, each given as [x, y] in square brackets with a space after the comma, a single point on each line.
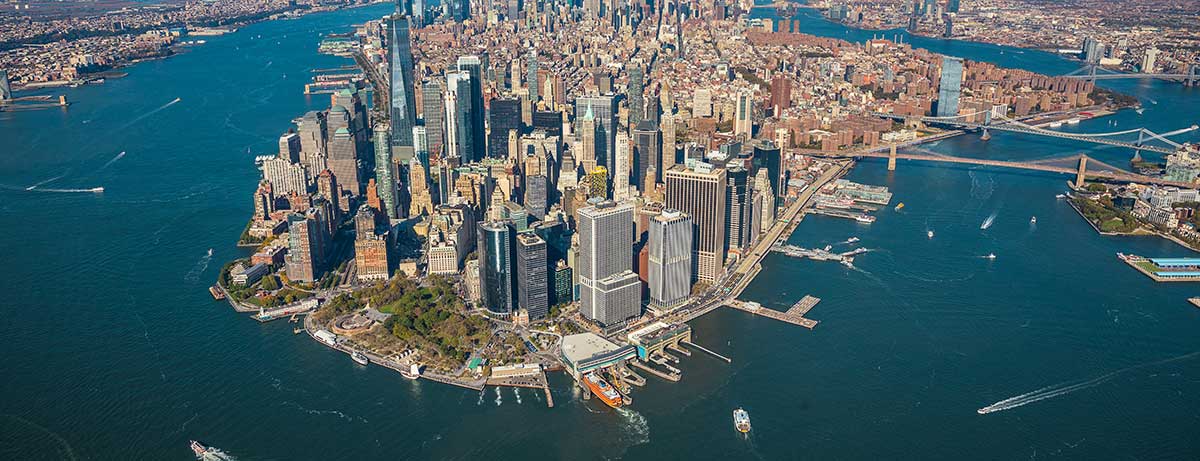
[360, 358]
[991, 256]
[741, 420]
[1033, 220]
[1055, 124]
[1072, 121]
[929, 233]
[852, 240]
[1060, 196]
[866, 219]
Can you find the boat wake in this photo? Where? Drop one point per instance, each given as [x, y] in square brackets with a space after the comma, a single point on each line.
[337, 413]
[517, 394]
[634, 426]
[201, 265]
[147, 114]
[480, 402]
[498, 398]
[47, 181]
[1062, 389]
[987, 222]
[114, 160]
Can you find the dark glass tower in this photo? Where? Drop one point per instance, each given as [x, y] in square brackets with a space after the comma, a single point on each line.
[504, 115]
[496, 282]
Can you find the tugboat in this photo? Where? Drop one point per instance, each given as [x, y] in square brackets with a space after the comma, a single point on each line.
[360, 358]
[741, 420]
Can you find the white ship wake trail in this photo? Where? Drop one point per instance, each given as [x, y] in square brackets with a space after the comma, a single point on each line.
[201, 265]
[1058, 390]
[35, 185]
[147, 114]
[517, 394]
[498, 399]
[988, 221]
[114, 160]
[70, 191]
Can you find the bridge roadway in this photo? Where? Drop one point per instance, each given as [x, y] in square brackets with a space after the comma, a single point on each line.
[378, 82]
[1016, 128]
[1110, 175]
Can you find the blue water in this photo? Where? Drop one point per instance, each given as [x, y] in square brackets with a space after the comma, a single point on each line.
[114, 350]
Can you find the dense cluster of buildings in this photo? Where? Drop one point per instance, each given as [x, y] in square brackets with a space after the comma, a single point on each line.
[1145, 36]
[611, 156]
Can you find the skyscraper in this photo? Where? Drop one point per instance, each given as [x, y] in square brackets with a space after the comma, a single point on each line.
[343, 160]
[400, 68]
[647, 149]
[536, 195]
[303, 253]
[496, 282]
[768, 156]
[670, 259]
[700, 192]
[764, 202]
[738, 208]
[312, 141]
[370, 250]
[743, 121]
[504, 116]
[624, 160]
[531, 79]
[533, 289]
[588, 141]
[433, 110]
[285, 177]
[609, 289]
[781, 95]
[473, 66]
[605, 112]
[459, 142]
[949, 86]
[952, 6]
[636, 88]
[385, 183]
[289, 147]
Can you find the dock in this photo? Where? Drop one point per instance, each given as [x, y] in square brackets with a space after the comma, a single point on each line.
[1194, 301]
[660, 374]
[794, 315]
[530, 381]
[302, 307]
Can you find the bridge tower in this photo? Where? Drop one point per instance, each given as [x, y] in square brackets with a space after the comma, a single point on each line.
[892, 158]
[1081, 176]
[987, 120]
[1193, 75]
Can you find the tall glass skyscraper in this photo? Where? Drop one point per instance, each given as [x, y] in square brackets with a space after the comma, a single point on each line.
[473, 66]
[385, 184]
[531, 80]
[670, 259]
[459, 142]
[496, 281]
[433, 110]
[636, 88]
[504, 115]
[949, 87]
[400, 62]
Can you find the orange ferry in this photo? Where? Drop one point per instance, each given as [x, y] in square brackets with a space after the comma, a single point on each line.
[602, 389]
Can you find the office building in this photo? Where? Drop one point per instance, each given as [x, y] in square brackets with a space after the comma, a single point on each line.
[304, 253]
[433, 110]
[605, 263]
[670, 260]
[700, 193]
[702, 103]
[400, 68]
[604, 112]
[531, 75]
[343, 160]
[764, 202]
[312, 141]
[504, 116]
[769, 156]
[738, 209]
[370, 250]
[473, 66]
[385, 182]
[949, 86]
[636, 88]
[5, 86]
[781, 95]
[533, 286]
[743, 121]
[536, 195]
[459, 140]
[647, 149]
[496, 282]
[289, 147]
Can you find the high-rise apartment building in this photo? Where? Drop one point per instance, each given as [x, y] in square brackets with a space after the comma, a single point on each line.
[949, 86]
[743, 121]
[459, 139]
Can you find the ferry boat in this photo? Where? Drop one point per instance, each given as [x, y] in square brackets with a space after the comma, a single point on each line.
[852, 240]
[360, 358]
[991, 256]
[899, 206]
[602, 389]
[865, 219]
[741, 420]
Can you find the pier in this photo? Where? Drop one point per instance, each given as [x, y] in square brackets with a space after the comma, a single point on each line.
[660, 374]
[714, 354]
[794, 315]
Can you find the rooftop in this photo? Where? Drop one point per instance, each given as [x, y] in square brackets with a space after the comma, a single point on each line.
[585, 345]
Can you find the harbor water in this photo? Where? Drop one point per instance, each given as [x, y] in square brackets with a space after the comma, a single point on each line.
[115, 350]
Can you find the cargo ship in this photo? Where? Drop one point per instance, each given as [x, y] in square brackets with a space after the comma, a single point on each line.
[602, 389]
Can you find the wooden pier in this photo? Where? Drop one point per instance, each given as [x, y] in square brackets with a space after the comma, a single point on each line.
[794, 315]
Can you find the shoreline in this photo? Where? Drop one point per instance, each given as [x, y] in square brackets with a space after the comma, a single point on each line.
[1140, 232]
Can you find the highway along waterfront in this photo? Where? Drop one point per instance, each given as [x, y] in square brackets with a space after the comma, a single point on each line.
[115, 350]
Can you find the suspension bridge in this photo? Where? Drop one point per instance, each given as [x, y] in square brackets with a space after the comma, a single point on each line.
[1091, 73]
[1145, 139]
[1082, 166]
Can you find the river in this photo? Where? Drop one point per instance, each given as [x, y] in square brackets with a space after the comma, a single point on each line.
[114, 350]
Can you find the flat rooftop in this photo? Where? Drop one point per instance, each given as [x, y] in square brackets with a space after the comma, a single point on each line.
[1168, 262]
[586, 345]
